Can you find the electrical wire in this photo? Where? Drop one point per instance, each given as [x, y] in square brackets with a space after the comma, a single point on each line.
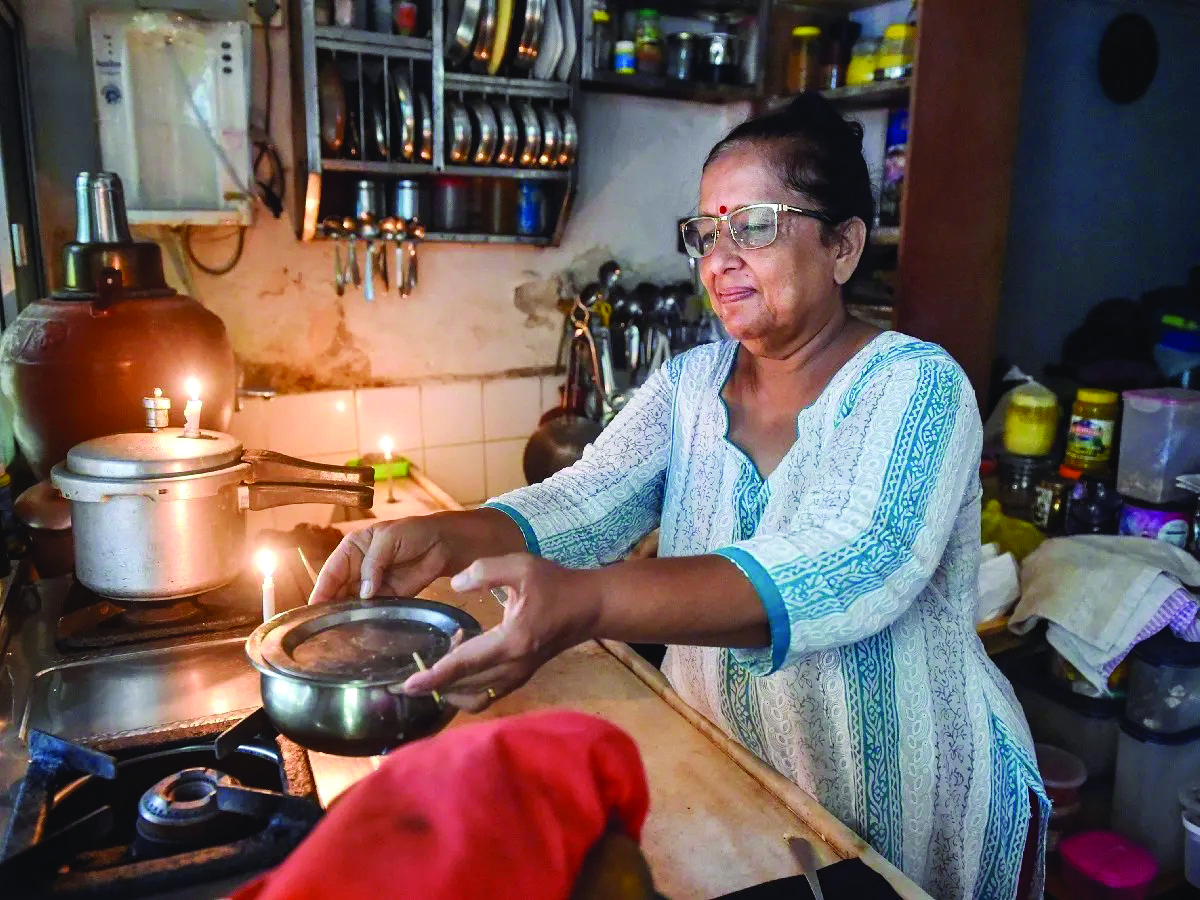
[271, 190]
[224, 269]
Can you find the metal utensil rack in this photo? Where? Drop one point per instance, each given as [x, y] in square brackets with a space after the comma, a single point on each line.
[307, 39]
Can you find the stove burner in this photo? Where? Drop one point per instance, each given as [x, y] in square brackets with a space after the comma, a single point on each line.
[93, 622]
[138, 814]
[182, 808]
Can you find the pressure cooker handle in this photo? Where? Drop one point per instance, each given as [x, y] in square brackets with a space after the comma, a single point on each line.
[267, 465]
[269, 494]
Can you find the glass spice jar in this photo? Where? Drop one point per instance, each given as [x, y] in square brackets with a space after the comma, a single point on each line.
[624, 62]
[602, 40]
[647, 43]
[896, 52]
[1031, 421]
[862, 61]
[1092, 430]
[803, 67]
[1018, 478]
[1050, 499]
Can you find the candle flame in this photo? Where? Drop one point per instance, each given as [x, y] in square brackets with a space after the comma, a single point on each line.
[193, 388]
[265, 560]
[385, 444]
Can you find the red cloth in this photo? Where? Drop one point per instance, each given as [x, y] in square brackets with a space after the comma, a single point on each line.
[505, 808]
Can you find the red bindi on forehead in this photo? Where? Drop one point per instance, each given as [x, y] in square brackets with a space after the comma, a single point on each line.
[723, 210]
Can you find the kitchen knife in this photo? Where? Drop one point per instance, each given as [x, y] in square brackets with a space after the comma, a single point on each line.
[803, 851]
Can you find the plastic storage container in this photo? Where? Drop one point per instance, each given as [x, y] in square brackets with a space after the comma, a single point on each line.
[1158, 442]
[1063, 773]
[1164, 685]
[1084, 726]
[1101, 865]
[1151, 768]
[1191, 848]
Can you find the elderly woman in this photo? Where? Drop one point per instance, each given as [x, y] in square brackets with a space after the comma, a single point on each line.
[815, 483]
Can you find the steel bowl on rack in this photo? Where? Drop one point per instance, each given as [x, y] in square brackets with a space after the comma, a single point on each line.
[458, 133]
[331, 675]
[404, 113]
[568, 148]
[531, 134]
[510, 134]
[551, 137]
[462, 20]
[486, 132]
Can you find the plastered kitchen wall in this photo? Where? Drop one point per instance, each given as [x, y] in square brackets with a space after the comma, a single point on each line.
[478, 309]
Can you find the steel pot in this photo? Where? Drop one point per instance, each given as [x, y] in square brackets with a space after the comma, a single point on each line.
[159, 516]
[331, 674]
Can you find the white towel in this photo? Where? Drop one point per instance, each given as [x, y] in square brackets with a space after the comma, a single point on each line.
[1099, 593]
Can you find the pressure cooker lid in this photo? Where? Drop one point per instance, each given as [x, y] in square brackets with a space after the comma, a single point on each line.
[153, 454]
[358, 643]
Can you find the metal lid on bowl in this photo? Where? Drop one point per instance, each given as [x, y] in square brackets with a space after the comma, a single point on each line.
[153, 454]
[358, 643]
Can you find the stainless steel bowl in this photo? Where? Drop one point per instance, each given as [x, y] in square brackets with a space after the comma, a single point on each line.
[331, 674]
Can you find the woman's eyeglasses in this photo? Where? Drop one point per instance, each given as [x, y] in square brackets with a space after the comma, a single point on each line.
[751, 227]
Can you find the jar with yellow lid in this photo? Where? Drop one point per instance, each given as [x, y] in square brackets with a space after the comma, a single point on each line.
[1093, 429]
[896, 52]
[804, 60]
[1031, 422]
[863, 58]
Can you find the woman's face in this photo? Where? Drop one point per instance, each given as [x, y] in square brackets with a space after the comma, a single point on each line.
[781, 293]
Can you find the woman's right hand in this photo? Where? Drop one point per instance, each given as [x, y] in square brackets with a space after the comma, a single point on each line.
[399, 558]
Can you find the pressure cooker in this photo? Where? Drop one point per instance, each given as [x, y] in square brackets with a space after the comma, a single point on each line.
[162, 515]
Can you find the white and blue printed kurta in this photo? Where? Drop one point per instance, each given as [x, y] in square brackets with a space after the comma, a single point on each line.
[876, 695]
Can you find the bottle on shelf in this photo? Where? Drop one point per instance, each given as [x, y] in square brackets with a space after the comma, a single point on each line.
[803, 67]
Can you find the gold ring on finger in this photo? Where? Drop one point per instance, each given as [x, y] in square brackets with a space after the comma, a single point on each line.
[491, 692]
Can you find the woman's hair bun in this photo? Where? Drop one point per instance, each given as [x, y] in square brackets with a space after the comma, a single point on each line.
[811, 114]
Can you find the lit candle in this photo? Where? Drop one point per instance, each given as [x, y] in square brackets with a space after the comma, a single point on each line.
[385, 444]
[266, 565]
[191, 411]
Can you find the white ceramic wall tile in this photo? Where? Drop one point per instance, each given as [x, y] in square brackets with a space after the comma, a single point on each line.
[550, 395]
[452, 413]
[502, 466]
[511, 407]
[394, 412]
[286, 518]
[415, 455]
[249, 425]
[317, 424]
[458, 470]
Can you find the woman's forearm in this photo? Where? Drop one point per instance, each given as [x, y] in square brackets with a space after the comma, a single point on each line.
[699, 600]
[468, 535]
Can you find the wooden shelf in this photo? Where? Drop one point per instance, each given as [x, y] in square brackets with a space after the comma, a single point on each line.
[669, 88]
[872, 95]
[886, 236]
[876, 95]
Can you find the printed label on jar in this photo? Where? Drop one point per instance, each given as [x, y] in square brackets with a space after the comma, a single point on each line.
[1169, 526]
[1090, 438]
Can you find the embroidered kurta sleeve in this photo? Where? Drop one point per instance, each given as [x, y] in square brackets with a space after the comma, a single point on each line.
[870, 530]
[593, 512]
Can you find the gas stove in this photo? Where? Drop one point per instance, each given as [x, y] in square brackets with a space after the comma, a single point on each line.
[207, 802]
[113, 773]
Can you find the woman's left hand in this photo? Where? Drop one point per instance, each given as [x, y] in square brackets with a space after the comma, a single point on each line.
[550, 608]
